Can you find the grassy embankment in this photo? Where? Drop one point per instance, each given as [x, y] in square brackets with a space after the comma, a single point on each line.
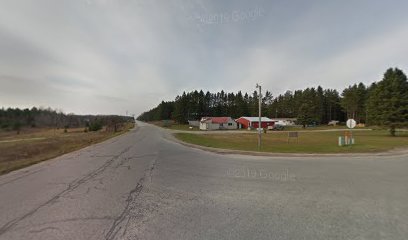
[309, 142]
[35, 145]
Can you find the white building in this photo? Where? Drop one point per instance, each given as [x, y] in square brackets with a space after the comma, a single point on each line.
[285, 121]
[217, 123]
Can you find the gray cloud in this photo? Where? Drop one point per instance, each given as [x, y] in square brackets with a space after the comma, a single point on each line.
[109, 56]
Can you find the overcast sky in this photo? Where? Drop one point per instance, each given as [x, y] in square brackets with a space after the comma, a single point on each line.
[113, 56]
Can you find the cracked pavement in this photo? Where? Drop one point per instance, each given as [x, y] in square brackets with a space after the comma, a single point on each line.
[141, 185]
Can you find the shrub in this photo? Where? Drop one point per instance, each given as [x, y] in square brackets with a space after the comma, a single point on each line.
[95, 126]
[4, 125]
[17, 127]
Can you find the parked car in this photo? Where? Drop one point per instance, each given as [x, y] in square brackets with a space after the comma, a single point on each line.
[278, 127]
[333, 123]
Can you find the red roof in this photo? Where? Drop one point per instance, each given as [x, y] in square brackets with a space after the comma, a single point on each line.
[220, 119]
[217, 119]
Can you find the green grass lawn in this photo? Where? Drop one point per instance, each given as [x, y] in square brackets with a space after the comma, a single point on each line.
[309, 142]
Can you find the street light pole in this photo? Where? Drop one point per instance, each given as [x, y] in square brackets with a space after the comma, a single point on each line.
[260, 116]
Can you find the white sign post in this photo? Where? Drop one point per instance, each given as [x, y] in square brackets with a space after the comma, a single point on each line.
[351, 123]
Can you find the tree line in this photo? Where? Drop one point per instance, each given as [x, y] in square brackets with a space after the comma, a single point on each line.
[15, 119]
[322, 105]
[382, 103]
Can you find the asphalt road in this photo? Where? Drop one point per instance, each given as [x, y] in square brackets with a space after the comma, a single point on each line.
[142, 185]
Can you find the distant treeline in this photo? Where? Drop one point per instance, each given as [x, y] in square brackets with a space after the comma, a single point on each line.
[15, 119]
[382, 103]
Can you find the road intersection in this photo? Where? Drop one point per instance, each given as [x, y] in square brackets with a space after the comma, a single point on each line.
[142, 185]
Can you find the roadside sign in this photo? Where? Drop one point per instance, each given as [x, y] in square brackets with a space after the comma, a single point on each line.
[348, 136]
[351, 123]
[293, 135]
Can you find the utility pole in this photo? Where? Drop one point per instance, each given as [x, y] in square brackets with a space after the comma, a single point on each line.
[260, 116]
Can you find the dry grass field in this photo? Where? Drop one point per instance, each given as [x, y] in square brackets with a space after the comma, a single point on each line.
[35, 145]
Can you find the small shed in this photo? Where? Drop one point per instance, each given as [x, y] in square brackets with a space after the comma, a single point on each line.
[194, 123]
